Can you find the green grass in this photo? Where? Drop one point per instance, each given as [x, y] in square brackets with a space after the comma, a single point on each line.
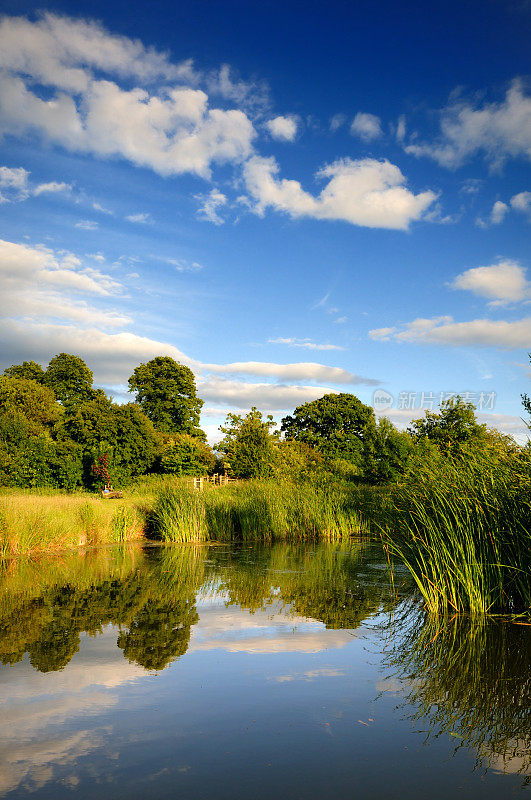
[255, 510]
[463, 528]
[37, 522]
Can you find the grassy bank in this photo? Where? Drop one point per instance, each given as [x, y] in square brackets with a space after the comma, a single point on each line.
[40, 521]
[461, 525]
[257, 510]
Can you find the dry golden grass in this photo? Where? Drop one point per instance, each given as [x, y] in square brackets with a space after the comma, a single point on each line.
[37, 523]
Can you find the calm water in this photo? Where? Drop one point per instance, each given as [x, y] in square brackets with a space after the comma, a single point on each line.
[251, 672]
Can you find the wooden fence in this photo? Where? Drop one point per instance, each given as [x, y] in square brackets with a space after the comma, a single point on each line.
[211, 480]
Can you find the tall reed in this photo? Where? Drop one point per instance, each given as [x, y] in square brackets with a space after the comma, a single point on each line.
[463, 528]
[254, 510]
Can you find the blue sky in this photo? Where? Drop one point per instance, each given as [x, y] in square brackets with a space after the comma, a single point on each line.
[291, 198]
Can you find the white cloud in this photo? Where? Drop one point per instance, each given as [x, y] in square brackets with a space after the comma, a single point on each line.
[87, 225]
[367, 192]
[14, 180]
[251, 95]
[52, 187]
[499, 210]
[445, 331]
[306, 343]
[337, 121]
[502, 283]
[284, 129]
[60, 51]
[210, 205]
[102, 209]
[521, 202]
[37, 284]
[141, 218]
[266, 396]
[301, 371]
[401, 129]
[498, 131]
[366, 126]
[181, 265]
[171, 130]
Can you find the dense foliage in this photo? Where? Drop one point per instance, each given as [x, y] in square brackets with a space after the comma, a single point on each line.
[166, 393]
[54, 425]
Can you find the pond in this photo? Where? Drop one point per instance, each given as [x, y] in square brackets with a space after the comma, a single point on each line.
[246, 671]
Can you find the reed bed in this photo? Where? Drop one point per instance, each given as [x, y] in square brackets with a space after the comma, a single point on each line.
[255, 510]
[463, 528]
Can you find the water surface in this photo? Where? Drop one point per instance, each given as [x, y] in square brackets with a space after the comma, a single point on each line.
[251, 672]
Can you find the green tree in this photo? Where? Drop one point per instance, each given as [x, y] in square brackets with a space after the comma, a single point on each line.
[337, 425]
[69, 378]
[36, 403]
[186, 455]
[248, 446]
[29, 370]
[452, 428]
[137, 443]
[166, 393]
[386, 454]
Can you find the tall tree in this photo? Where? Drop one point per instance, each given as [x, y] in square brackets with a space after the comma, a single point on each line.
[29, 370]
[452, 427]
[337, 425]
[166, 393]
[69, 378]
[248, 445]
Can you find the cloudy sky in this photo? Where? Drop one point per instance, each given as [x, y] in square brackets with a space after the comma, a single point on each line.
[291, 198]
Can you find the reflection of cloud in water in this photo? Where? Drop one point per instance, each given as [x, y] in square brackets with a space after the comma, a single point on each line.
[101, 663]
[36, 705]
[391, 685]
[269, 631]
[310, 675]
[505, 763]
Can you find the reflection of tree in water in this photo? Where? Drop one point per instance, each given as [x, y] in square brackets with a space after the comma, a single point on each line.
[333, 584]
[152, 596]
[159, 633]
[471, 679]
[155, 604]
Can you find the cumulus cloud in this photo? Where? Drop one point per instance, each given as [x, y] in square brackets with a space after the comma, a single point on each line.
[499, 210]
[497, 131]
[521, 202]
[501, 283]
[306, 343]
[366, 126]
[284, 129]
[210, 205]
[13, 184]
[445, 331]
[172, 130]
[367, 192]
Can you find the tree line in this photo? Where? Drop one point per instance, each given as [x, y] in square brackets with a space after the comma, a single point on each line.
[57, 431]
